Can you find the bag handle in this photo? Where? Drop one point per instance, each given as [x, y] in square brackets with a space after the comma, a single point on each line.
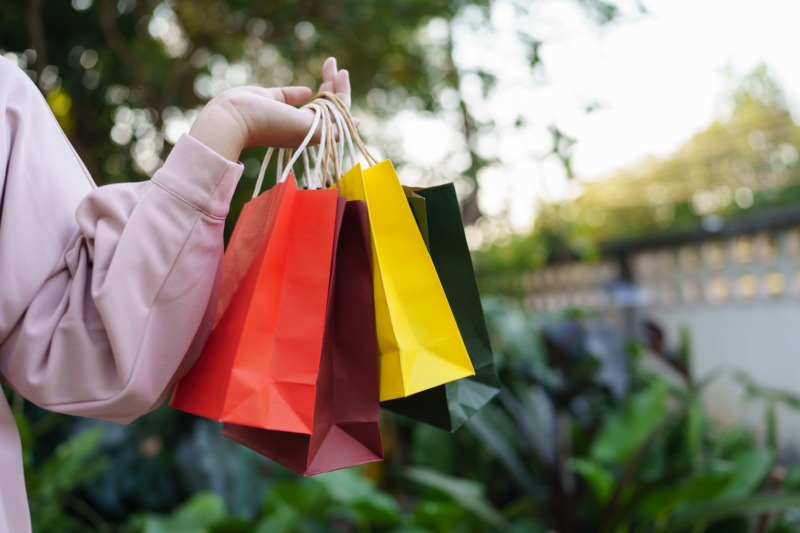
[319, 112]
[345, 137]
[329, 154]
[348, 118]
[260, 181]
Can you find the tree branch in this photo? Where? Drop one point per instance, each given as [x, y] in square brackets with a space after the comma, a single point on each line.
[116, 40]
[471, 211]
[33, 19]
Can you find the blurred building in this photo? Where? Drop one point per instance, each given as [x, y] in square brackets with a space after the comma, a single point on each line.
[735, 288]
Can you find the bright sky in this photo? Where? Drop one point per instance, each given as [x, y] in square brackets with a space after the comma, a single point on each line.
[662, 75]
[659, 77]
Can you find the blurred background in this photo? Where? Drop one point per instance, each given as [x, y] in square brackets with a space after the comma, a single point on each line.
[629, 177]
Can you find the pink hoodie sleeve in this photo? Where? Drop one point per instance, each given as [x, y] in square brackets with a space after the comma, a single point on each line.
[107, 294]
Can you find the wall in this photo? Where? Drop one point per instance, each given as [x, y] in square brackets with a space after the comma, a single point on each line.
[740, 299]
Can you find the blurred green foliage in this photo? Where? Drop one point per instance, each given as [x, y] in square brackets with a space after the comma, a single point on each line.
[583, 437]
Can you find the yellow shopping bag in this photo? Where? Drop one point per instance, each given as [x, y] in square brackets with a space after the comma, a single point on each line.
[418, 339]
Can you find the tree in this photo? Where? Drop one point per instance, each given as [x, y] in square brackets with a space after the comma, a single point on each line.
[745, 160]
[140, 69]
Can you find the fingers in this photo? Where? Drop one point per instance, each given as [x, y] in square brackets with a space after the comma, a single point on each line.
[328, 75]
[285, 95]
[295, 95]
[342, 86]
[272, 123]
[281, 126]
[335, 81]
[270, 115]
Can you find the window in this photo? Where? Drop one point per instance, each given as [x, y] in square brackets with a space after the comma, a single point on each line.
[690, 258]
[692, 292]
[718, 290]
[666, 262]
[715, 255]
[792, 241]
[747, 286]
[775, 284]
[743, 249]
[769, 248]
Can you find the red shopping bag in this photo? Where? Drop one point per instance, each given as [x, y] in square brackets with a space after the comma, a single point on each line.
[346, 431]
[260, 365]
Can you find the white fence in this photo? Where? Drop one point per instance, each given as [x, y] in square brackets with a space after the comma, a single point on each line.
[739, 297]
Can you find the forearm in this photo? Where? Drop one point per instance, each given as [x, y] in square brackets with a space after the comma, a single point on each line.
[127, 311]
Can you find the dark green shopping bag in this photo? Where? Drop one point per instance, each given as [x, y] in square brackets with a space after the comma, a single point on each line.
[450, 405]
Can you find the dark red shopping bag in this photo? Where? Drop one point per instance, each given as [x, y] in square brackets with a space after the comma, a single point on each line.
[260, 365]
[346, 431]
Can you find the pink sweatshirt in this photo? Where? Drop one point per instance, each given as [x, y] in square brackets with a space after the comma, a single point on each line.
[106, 294]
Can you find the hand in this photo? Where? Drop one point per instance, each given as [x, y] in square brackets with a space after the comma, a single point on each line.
[255, 116]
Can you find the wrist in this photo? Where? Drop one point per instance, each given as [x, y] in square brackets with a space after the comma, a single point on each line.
[219, 129]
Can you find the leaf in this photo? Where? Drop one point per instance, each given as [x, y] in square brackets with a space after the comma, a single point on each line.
[197, 515]
[695, 421]
[534, 418]
[281, 520]
[625, 432]
[716, 510]
[599, 479]
[487, 434]
[748, 471]
[753, 390]
[351, 489]
[443, 515]
[664, 501]
[740, 478]
[469, 494]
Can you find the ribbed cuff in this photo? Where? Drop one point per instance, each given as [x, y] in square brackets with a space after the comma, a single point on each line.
[200, 176]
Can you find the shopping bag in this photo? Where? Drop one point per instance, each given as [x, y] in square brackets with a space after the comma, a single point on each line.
[418, 339]
[450, 405]
[346, 431]
[261, 361]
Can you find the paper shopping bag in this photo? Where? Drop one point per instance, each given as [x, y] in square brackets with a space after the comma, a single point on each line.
[418, 339]
[450, 405]
[345, 431]
[260, 364]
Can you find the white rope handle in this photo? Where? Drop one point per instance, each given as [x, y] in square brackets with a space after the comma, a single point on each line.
[345, 137]
[301, 148]
[322, 156]
[343, 109]
[318, 112]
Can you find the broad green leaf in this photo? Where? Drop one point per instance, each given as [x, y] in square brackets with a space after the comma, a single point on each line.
[442, 515]
[599, 479]
[626, 431]
[695, 424]
[197, 515]
[282, 520]
[749, 470]
[744, 506]
[483, 427]
[665, 501]
[754, 390]
[349, 488]
[468, 494]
